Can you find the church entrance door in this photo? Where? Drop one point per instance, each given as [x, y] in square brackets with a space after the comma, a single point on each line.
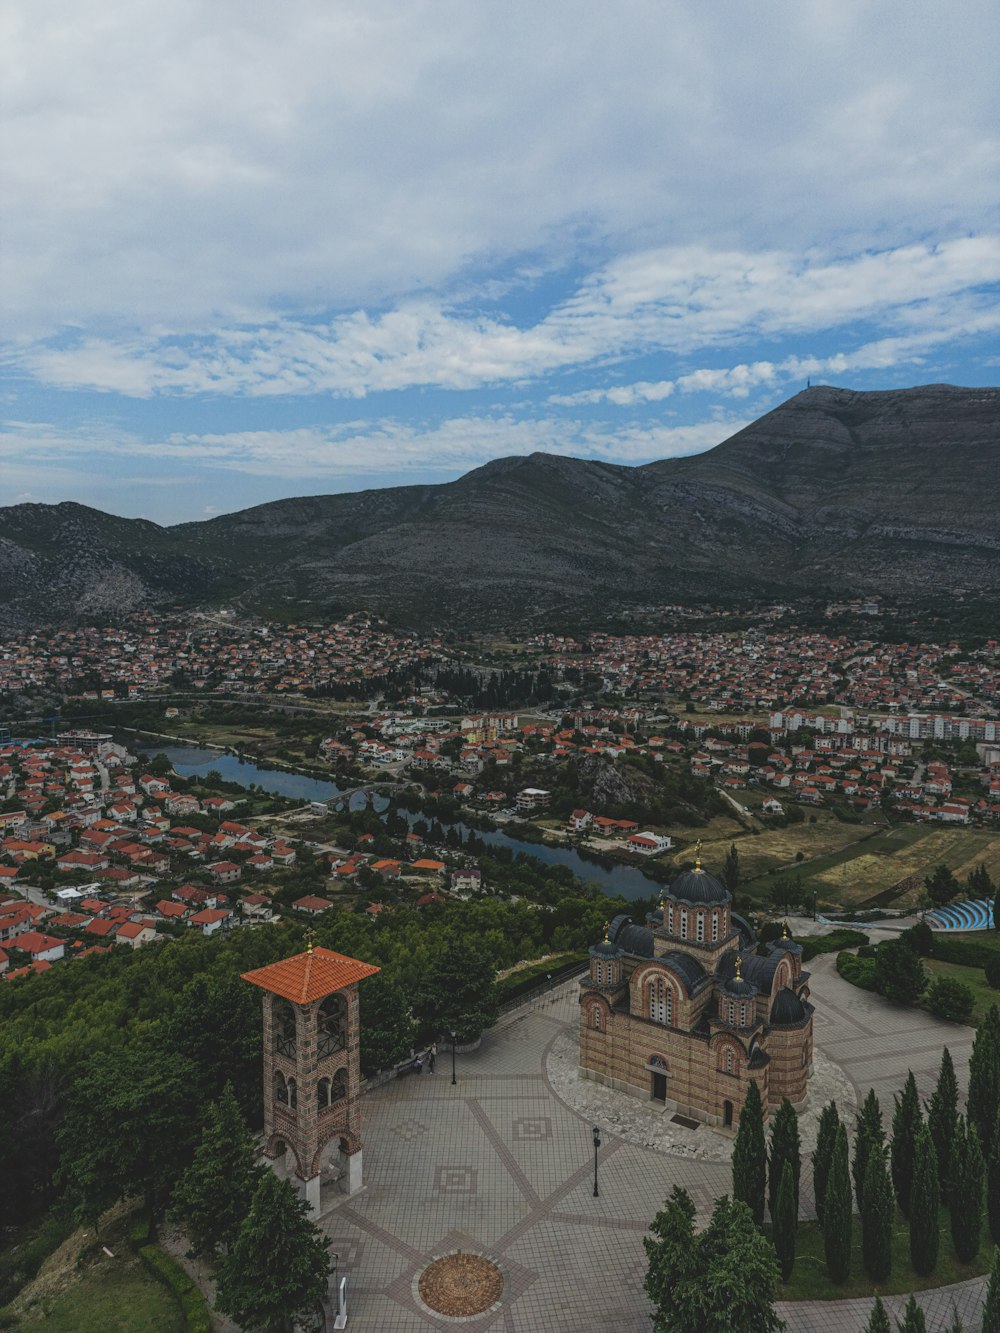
[727, 1114]
[659, 1087]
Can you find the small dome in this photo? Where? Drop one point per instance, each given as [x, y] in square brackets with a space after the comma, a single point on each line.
[738, 988]
[787, 1009]
[605, 950]
[698, 888]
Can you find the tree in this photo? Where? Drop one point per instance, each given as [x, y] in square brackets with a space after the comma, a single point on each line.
[925, 1205]
[984, 1079]
[722, 1278]
[826, 1139]
[784, 1217]
[993, 1186]
[996, 911]
[837, 1212]
[750, 1156]
[459, 992]
[979, 884]
[216, 1023]
[941, 886]
[913, 1318]
[876, 1217]
[899, 974]
[386, 1026]
[920, 938]
[214, 1194]
[279, 1264]
[878, 1320]
[950, 999]
[731, 869]
[785, 1147]
[968, 1179]
[906, 1120]
[991, 1305]
[942, 1120]
[869, 1136]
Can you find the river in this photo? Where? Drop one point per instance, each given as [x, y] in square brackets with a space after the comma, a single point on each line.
[615, 880]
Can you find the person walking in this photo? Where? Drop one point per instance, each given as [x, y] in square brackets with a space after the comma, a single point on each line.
[432, 1056]
[418, 1064]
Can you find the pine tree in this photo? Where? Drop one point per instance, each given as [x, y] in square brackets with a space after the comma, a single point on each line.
[826, 1138]
[869, 1136]
[876, 1218]
[942, 1121]
[783, 1222]
[214, 1194]
[785, 1147]
[905, 1121]
[925, 1204]
[968, 1173]
[984, 1079]
[279, 1264]
[837, 1212]
[878, 1320]
[913, 1318]
[731, 869]
[993, 1186]
[991, 1305]
[750, 1156]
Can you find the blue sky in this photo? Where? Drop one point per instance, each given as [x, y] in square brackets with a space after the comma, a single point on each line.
[258, 251]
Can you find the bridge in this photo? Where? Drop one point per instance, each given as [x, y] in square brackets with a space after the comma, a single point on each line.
[368, 789]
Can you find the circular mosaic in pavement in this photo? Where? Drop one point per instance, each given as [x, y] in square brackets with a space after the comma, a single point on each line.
[461, 1285]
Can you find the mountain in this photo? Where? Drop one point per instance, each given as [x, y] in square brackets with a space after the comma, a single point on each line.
[835, 491]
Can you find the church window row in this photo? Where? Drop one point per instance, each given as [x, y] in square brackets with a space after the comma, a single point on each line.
[660, 1001]
[604, 973]
[679, 924]
[744, 1011]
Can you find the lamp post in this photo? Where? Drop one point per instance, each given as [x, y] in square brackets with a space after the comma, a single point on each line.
[454, 1039]
[597, 1144]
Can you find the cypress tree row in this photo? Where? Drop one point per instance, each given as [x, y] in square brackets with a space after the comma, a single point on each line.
[837, 1212]
[784, 1219]
[826, 1138]
[993, 1186]
[878, 1321]
[968, 1175]
[876, 1218]
[868, 1137]
[925, 1204]
[942, 1120]
[906, 1119]
[785, 1147]
[984, 1080]
[750, 1156]
[913, 1318]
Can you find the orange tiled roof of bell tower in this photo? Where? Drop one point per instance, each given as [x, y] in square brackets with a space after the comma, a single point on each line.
[311, 975]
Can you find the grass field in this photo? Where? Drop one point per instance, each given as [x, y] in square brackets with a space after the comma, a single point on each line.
[765, 852]
[113, 1296]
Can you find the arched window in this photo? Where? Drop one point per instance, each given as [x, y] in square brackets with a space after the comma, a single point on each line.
[596, 1017]
[670, 918]
[657, 1000]
[715, 926]
[338, 1086]
[331, 1025]
[280, 1088]
[684, 924]
[699, 927]
[293, 1094]
[743, 1015]
[283, 1026]
[323, 1093]
[728, 1064]
[732, 1012]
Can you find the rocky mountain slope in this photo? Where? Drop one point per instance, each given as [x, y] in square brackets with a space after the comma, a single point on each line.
[834, 491]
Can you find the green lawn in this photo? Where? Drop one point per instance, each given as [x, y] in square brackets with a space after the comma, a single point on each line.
[809, 1280]
[973, 977]
[115, 1296]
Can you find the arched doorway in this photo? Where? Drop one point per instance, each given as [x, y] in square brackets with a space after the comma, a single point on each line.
[727, 1115]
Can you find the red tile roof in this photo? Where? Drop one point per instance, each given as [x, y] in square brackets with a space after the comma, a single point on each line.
[310, 976]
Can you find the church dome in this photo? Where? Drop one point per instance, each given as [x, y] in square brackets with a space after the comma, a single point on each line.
[788, 1009]
[734, 985]
[698, 888]
[605, 950]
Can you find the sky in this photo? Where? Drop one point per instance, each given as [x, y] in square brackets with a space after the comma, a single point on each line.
[255, 251]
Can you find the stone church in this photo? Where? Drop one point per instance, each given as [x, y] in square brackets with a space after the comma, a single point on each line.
[686, 1012]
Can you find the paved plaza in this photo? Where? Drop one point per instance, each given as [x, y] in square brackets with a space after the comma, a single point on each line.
[500, 1165]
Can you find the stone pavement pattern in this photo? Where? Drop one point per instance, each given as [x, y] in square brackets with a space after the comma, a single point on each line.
[500, 1165]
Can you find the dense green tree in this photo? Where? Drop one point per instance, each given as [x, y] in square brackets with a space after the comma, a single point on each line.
[941, 886]
[869, 1136]
[984, 1079]
[925, 1205]
[913, 1318]
[722, 1278]
[784, 1218]
[991, 1305]
[837, 1212]
[214, 1193]
[950, 999]
[387, 1029]
[942, 1121]
[731, 869]
[784, 1147]
[826, 1139]
[878, 1320]
[996, 910]
[876, 1217]
[216, 1023]
[458, 993]
[899, 973]
[906, 1119]
[279, 1264]
[750, 1156]
[979, 884]
[966, 1203]
[993, 1185]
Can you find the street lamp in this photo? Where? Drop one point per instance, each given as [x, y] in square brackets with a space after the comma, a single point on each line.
[454, 1039]
[597, 1144]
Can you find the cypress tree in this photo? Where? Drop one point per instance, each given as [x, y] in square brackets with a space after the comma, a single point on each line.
[969, 1172]
[984, 1079]
[942, 1120]
[876, 1218]
[784, 1219]
[991, 1306]
[993, 1187]
[785, 1147]
[913, 1318]
[837, 1212]
[826, 1138]
[878, 1320]
[750, 1156]
[906, 1120]
[869, 1136]
[925, 1204]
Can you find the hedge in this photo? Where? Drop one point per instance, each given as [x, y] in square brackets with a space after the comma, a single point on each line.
[967, 953]
[858, 971]
[173, 1276]
[832, 942]
[529, 977]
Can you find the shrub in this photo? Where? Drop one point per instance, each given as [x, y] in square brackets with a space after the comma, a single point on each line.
[967, 953]
[832, 942]
[920, 939]
[858, 971]
[950, 999]
[196, 1316]
[992, 970]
